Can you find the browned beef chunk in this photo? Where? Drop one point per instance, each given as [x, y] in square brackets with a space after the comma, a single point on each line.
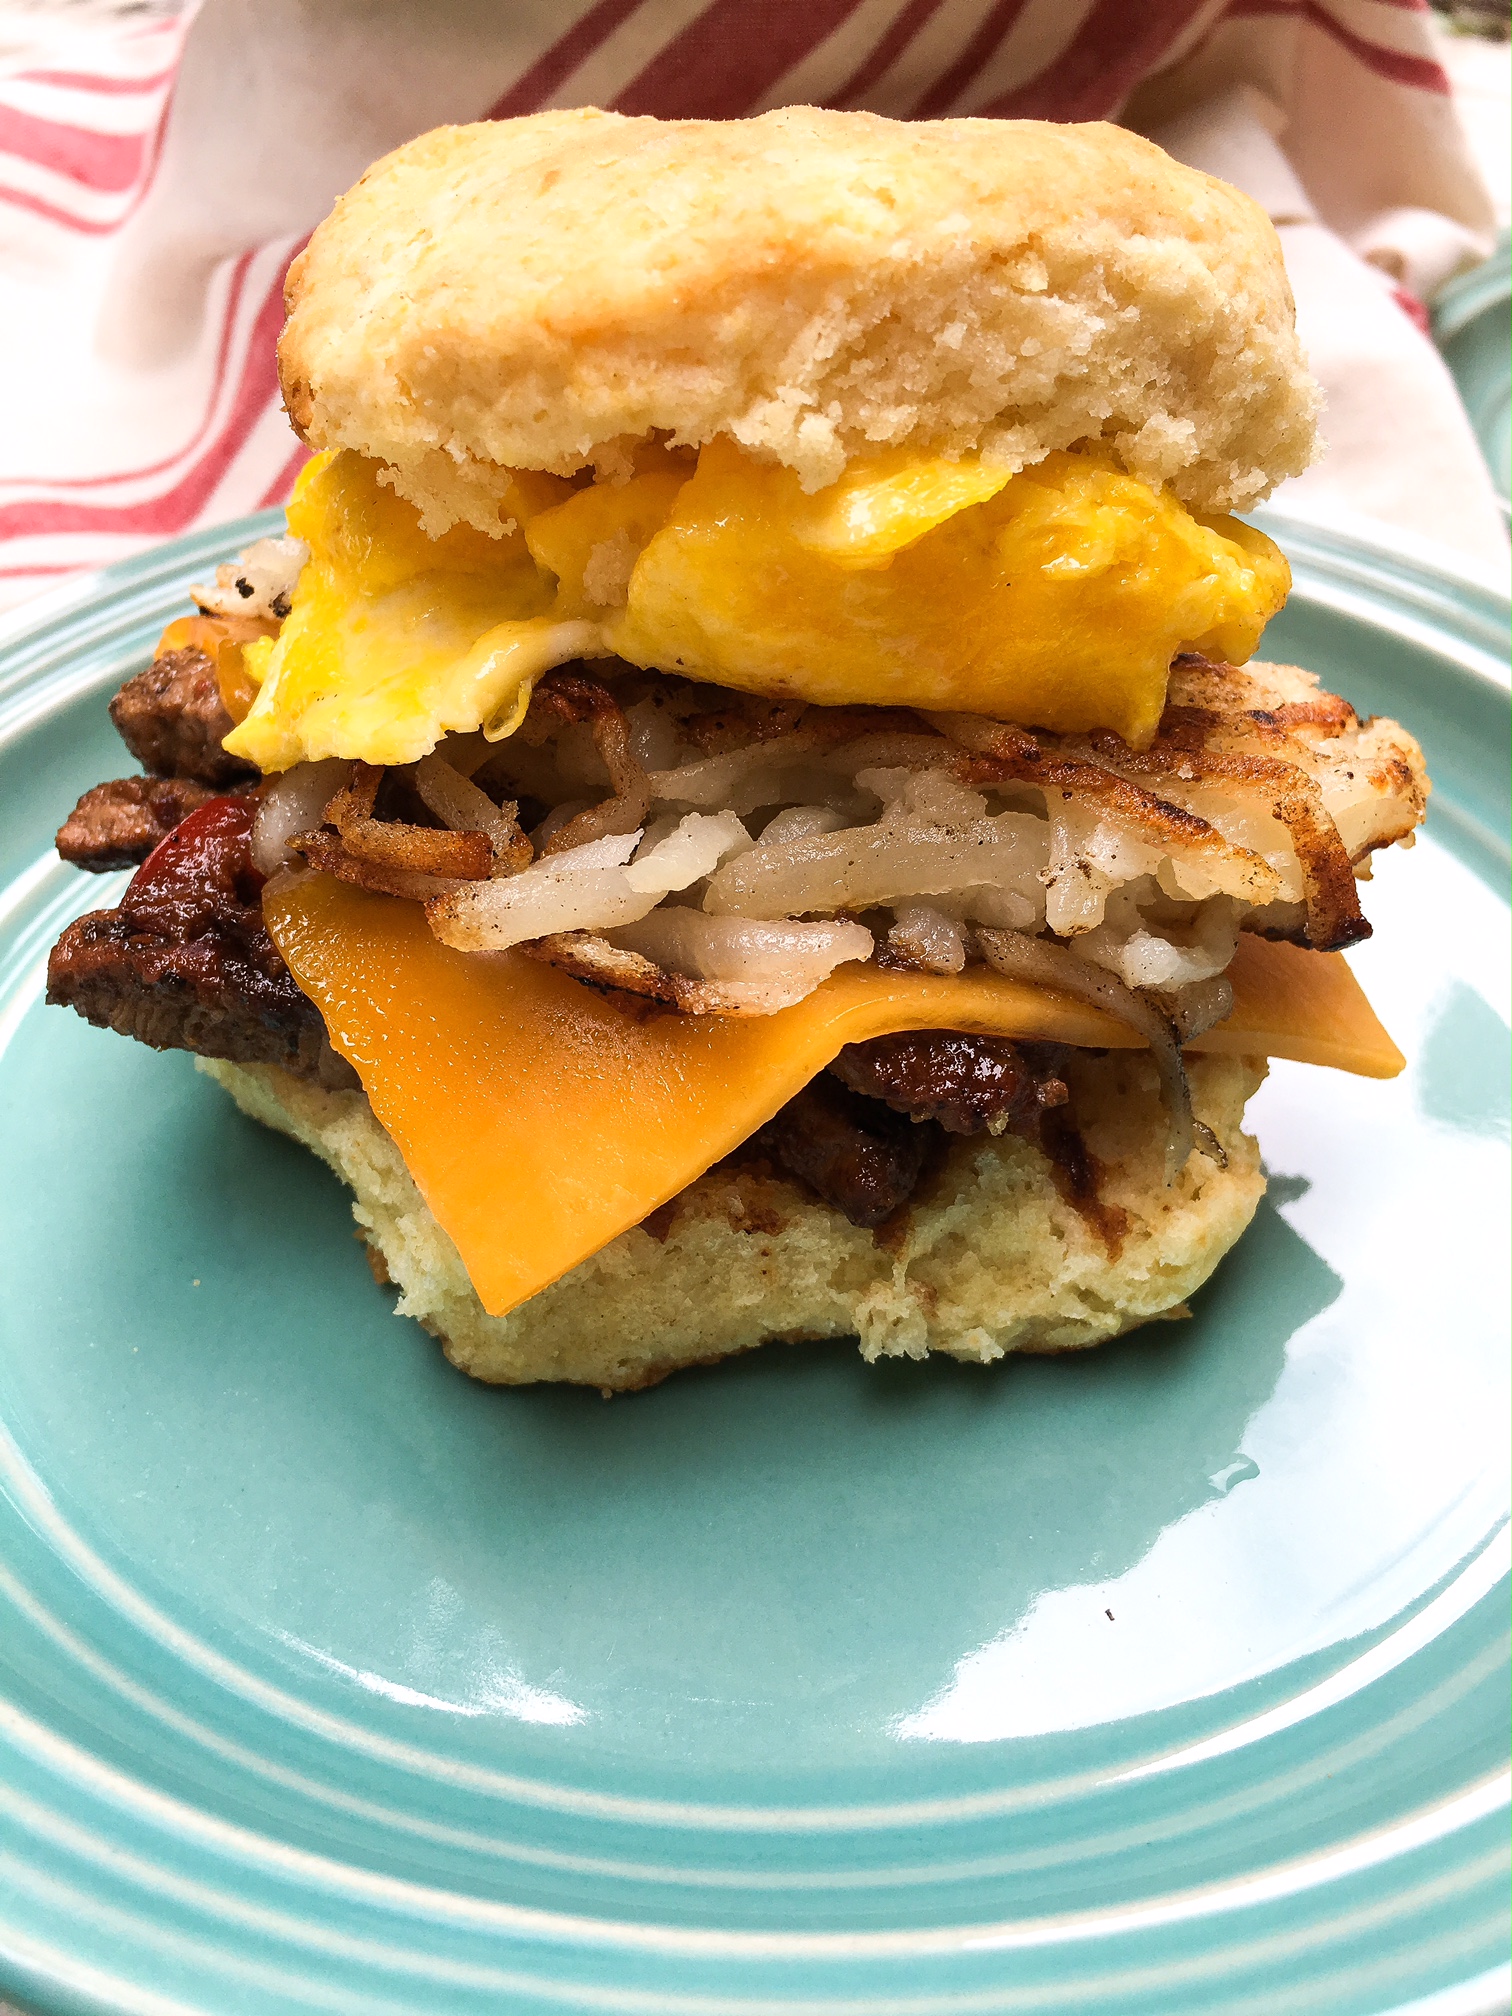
[117, 825]
[863, 1133]
[173, 720]
[186, 962]
[966, 1083]
[855, 1152]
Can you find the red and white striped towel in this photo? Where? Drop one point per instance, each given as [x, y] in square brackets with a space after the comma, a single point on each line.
[78, 146]
[155, 180]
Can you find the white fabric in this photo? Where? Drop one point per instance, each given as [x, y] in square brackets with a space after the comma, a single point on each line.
[157, 172]
[1398, 447]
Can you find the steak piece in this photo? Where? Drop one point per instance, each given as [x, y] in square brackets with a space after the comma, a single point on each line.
[966, 1083]
[117, 825]
[173, 720]
[186, 962]
[854, 1152]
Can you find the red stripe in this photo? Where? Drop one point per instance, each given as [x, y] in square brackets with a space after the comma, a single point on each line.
[158, 138]
[530, 91]
[1115, 46]
[1421, 73]
[278, 490]
[35, 573]
[727, 59]
[149, 152]
[108, 162]
[913, 19]
[1414, 308]
[972, 60]
[222, 358]
[175, 508]
[104, 87]
[94, 227]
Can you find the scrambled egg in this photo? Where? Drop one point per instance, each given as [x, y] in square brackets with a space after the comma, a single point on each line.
[1055, 598]
[394, 639]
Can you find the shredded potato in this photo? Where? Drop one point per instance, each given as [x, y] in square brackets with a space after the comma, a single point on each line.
[723, 852]
[782, 959]
[582, 889]
[293, 803]
[718, 851]
[693, 848]
[896, 860]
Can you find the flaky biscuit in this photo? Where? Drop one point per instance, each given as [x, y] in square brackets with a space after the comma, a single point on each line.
[535, 292]
[989, 1258]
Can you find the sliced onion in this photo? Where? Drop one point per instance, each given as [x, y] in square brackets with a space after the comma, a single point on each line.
[294, 802]
[583, 889]
[611, 819]
[1199, 1005]
[800, 822]
[927, 938]
[1046, 964]
[653, 734]
[556, 820]
[694, 848]
[577, 699]
[778, 772]
[785, 961]
[260, 583]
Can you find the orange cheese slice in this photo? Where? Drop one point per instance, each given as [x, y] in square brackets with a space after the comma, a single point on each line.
[540, 1120]
[222, 639]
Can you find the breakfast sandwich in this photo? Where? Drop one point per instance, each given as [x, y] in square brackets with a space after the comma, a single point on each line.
[741, 807]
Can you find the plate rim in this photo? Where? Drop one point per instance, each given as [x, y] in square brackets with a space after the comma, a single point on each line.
[1367, 564]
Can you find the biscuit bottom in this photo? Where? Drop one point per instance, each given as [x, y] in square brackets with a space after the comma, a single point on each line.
[989, 1256]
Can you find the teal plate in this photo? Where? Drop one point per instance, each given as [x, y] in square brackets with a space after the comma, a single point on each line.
[1473, 328]
[1164, 1680]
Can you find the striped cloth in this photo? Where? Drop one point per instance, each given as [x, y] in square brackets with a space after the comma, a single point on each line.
[156, 178]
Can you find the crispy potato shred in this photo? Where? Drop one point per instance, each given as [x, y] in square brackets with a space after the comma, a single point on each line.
[571, 697]
[396, 857]
[709, 852]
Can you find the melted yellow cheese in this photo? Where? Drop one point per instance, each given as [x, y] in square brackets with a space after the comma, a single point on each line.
[540, 1120]
[1056, 597]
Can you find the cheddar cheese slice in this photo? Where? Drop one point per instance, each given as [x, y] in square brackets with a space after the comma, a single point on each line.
[223, 639]
[540, 1119]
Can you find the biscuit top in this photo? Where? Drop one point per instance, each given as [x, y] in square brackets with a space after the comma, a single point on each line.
[539, 293]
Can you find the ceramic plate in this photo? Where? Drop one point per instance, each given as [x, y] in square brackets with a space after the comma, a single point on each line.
[1470, 327]
[1167, 1679]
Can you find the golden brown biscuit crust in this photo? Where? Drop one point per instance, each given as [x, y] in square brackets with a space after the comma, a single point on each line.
[535, 292]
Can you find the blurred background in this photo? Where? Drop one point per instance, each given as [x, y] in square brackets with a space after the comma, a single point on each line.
[161, 163]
